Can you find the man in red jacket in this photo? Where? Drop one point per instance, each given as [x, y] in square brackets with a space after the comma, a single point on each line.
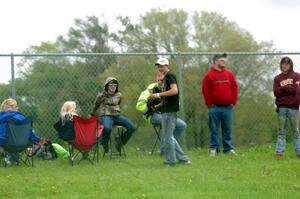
[220, 92]
[286, 88]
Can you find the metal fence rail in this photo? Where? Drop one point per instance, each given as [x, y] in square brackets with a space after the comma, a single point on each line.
[42, 82]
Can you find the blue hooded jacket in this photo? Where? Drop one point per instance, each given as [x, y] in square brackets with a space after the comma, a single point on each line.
[18, 116]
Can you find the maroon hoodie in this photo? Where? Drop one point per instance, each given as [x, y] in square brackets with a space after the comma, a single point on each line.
[286, 86]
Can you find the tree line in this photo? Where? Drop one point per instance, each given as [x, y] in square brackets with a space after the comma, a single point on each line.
[45, 82]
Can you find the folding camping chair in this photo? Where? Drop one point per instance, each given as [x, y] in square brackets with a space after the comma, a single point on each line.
[157, 130]
[86, 133]
[116, 134]
[18, 141]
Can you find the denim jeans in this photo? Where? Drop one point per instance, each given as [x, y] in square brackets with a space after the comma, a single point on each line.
[172, 149]
[220, 115]
[293, 116]
[180, 126]
[108, 122]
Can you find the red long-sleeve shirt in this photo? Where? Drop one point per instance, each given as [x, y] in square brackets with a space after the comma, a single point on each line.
[219, 87]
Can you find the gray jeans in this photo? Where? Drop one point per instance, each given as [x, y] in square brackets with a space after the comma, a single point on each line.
[293, 116]
[179, 129]
[172, 149]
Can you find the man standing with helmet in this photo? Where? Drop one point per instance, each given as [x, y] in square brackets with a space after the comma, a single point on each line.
[220, 92]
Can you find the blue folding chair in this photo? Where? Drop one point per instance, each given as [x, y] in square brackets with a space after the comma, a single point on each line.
[18, 140]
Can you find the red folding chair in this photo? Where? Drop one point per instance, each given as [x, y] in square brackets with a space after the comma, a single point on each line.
[87, 131]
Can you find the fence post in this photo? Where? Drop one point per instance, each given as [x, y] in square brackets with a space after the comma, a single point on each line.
[13, 80]
[181, 92]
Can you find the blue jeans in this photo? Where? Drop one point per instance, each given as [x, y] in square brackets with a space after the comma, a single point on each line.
[172, 149]
[220, 115]
[180, 126]
[293, 116]
[108, 122]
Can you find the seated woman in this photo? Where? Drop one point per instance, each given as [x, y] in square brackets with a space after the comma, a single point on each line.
[64, 126]
[9, 108]
[108, 102]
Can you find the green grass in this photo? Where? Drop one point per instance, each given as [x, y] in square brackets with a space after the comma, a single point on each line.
[253, 174]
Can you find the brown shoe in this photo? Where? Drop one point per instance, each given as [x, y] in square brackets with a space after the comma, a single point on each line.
[278, 155]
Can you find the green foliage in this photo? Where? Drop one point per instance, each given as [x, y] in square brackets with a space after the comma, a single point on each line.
[45, 82]
[157, 31]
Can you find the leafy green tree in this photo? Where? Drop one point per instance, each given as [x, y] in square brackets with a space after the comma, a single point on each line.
[157, 31]
[48, 81]
[168, 31]
[254, 73]
[45, 82]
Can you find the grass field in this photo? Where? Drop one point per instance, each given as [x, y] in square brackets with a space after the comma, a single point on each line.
[253, 174]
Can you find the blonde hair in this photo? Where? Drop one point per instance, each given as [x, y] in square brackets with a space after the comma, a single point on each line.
[9, 105]
[69, 107]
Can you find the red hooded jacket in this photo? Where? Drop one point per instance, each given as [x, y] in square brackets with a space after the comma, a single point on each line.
[219, 87]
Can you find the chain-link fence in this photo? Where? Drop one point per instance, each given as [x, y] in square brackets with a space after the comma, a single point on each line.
[41, 83]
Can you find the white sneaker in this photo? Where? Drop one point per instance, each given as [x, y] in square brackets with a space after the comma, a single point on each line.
[187, 162]
[231, 152]
[7, 161]
[213, 152]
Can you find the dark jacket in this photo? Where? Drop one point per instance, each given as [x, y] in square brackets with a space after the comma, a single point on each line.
[151, 104]
[65, 128]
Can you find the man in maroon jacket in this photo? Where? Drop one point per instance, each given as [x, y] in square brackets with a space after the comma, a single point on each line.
[285, 88]
[220, 92]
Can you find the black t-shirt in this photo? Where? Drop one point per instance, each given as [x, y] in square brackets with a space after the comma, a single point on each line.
[170, 103]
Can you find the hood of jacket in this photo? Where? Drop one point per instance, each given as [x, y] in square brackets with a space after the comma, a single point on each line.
[289, 61]
[111, 79]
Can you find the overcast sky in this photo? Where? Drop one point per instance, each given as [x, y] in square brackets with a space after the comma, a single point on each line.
[30, 22]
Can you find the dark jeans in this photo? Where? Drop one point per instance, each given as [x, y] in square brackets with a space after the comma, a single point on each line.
[109, 121]
[220, 115]
[13, 157]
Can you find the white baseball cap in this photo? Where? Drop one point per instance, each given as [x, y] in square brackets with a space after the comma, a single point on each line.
[162, 61]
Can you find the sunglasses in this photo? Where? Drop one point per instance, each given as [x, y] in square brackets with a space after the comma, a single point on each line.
[285, 62]
[112, 85]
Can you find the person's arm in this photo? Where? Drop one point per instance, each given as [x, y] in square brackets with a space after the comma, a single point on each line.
[280, 91]
[234, 91]
[34, 136]
[171, 92]
[206, 91]
[97, 104]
